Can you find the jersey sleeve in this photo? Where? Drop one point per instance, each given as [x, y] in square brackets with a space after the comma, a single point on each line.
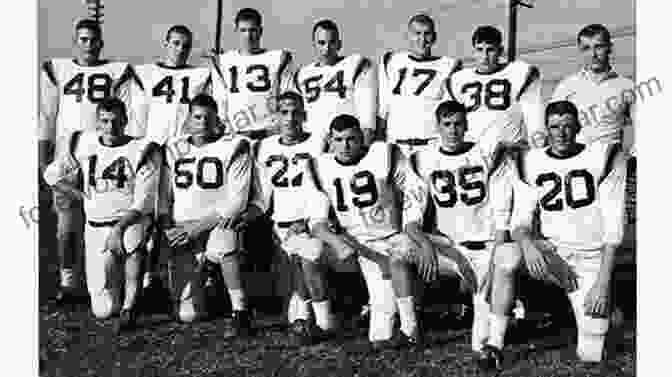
[532, 105]
[413, 188]
[49, 101]
[238, 182]
[147, 179]
[611, 197]
[366, 93]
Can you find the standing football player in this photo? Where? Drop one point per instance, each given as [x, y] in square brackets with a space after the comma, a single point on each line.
[208, 177]
[411, 84]
[335, 84]
[162, 102]
[246, 81]
[465, 186]
[71, 89]
[492, 88]
[364, 185]
[119, 175]
[288, 185]
[579, 191]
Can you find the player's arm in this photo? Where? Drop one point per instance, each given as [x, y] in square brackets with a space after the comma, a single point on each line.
[48, 113]
[219, 90]
[532, 107]
[238, 182]
[64, 173]
[384, 93]
[448, 93]
[286, 72]
[500, 189]
[261, 191]
[165, 195]
[365, 97]
[630, 131]
[611, 201]
[127, 88]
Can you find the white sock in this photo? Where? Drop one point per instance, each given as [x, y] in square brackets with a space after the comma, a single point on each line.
[590, 347]
[498, 325]
[67, 278]
[237, 299]
[381, 325]
[323, 317]
[481, 326]
[407, 317]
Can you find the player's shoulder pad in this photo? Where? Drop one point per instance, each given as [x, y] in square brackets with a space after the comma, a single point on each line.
[50, 71]
[613, 151]
[149, 150]
[533, 74]
[129, 75]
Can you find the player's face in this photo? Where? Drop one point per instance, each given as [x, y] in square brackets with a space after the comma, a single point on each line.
[487, 56]
[250, 35]
[595, 52]
[291, 118]
[562, 130]
[421, 38]
[452, 128]
[178, 47]
[326, 44]
[202, 121]
[347, 145]
[88, 44]
[110, 125]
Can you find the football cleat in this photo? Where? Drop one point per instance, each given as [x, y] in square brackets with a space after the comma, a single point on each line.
[306, 333]
[400, 340]
[241, 324]
[490, 358]
[126, 321]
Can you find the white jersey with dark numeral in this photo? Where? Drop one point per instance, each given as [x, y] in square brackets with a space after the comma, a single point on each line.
[488, 96]
[410, 89]
[214, 177]
[466, 190]
[80, 89]
[286, 175]
[581, 197]
[246, 86]
[117, 178]
[366, 195]
[347, 87]
[164, 98]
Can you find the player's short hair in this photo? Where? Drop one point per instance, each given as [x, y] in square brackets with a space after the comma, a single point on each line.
[423, 18]
[113, 105]
[89, 24]
[292, 96]
[326, 24]
[180, 29]
[561, 108]
[203, 100]
[448, 108]
[248, 14]
[343, 122]
[487, 34]
[593, 30]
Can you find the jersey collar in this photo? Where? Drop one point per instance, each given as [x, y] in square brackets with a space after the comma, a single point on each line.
[549, 153]
[587, 75]
[466, 147]
[164, 66]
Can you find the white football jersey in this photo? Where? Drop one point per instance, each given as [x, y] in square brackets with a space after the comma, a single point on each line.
[116, 179]
[410, 89]
[80, 89]
[164, 98]
[487, 96]
[215, 176]
[367, 196]
[286, 175]
[347, 87]
[580, 198]
[462, 188]
[245, 86]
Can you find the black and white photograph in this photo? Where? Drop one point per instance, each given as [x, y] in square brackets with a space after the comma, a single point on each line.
[337, 188]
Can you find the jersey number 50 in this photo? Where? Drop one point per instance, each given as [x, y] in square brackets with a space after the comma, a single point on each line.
[184, 177]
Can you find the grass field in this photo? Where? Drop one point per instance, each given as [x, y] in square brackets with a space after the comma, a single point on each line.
[76, 344]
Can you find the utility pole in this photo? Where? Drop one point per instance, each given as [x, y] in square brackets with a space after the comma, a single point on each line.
[513, 22]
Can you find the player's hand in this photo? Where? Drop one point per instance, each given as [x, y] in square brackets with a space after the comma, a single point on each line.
[427, 262]
[596, 303]
[115, 241]
[535, 261]
[343, 249]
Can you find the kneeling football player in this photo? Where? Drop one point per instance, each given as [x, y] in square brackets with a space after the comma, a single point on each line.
[117, 177]
[579, 192]
[468, 189]
[208, 179]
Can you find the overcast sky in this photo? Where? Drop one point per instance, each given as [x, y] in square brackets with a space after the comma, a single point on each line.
[133, 29]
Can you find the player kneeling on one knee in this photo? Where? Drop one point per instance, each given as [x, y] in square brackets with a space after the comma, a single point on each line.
[119, 190]
[207, 181]
[582, 218]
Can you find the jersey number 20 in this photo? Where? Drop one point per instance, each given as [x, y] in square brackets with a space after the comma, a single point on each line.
[551, 202]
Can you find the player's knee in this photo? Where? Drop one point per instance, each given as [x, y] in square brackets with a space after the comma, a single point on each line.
[221, 245]
[306, 247]
[136, 235]
[104, 304]
[508, 258]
